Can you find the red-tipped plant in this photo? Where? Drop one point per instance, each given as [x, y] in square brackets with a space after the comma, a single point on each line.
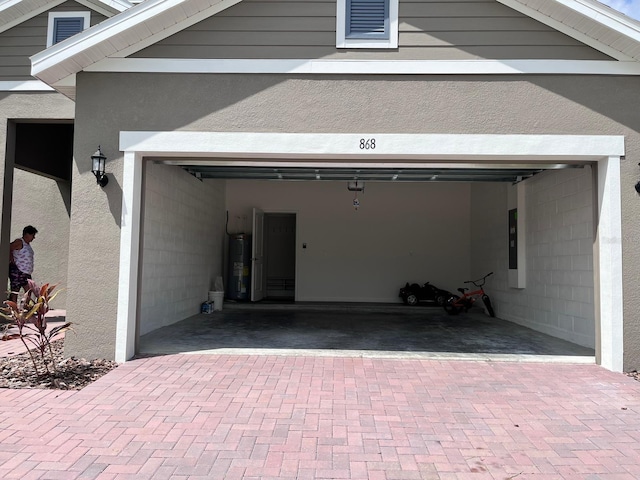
[28, 315]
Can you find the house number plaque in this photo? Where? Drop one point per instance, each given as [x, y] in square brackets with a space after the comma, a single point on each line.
[367, 144]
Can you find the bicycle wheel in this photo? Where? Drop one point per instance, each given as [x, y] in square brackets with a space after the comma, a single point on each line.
[451, 307]
[487, 303]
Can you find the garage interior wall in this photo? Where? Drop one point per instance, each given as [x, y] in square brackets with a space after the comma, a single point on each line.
[44, 203]
[402, 232]
[559, 296]
[182, 249]
[444, 233]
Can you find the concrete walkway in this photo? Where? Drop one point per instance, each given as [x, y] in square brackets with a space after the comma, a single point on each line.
[311, 417]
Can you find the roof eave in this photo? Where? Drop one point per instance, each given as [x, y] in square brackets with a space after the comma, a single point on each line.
[15, 12]
[602, 22]
[115, 34]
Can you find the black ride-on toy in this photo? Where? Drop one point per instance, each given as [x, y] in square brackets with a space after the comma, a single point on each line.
[412, 294]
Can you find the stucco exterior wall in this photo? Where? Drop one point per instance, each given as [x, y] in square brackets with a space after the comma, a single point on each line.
[43, 203]
[52, 252]
[278, 103]
[182, 247]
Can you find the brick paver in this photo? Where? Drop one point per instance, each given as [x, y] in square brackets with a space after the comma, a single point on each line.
[297, 417]
[10, 344]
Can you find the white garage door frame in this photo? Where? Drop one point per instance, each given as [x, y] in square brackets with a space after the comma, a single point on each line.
[391, 150]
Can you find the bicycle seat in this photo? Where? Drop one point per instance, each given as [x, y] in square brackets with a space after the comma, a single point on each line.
[462, 290]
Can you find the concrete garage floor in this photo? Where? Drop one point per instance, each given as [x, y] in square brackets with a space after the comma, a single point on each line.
[371, 330]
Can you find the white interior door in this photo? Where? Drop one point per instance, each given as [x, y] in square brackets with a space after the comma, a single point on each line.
[257, 257]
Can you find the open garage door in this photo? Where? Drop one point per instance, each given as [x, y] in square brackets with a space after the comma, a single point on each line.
[423, 169]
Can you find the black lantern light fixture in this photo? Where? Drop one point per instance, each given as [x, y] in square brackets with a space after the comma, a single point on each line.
[97, 167]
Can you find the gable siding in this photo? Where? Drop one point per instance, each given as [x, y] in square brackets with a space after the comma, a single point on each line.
[30, 37]
[428, 30]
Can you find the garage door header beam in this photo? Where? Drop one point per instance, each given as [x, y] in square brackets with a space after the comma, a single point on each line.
[372, 145]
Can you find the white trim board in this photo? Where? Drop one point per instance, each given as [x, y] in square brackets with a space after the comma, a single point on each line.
[128, 272]
[368, 67]
[388, 145]
[24, 86]
[606, 150]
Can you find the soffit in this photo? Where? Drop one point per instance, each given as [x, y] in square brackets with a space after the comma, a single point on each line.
[147, 19]
[14, 9]
[14, 12]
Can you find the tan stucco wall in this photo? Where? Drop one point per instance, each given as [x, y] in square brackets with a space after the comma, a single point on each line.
[30, 193]
[110, 103]
[42, 202]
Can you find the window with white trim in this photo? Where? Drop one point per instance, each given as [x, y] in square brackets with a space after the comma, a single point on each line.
[63, 25]
[367, 24]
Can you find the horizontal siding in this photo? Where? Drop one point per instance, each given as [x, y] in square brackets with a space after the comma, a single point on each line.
[429, 30]
[302, 52]
[412, 38]
[29, 38]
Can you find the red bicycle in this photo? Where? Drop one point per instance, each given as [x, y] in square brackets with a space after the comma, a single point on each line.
[455, 304]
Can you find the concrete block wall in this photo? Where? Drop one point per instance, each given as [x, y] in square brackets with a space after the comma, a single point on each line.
[560, 253]
[183, 234]
[402, 232]
[559, 294]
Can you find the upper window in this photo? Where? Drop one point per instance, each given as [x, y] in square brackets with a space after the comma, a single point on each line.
[367, 24]
[63, 25]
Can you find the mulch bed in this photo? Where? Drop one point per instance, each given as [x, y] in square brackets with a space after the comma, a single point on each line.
[71, 373]
[635, 374]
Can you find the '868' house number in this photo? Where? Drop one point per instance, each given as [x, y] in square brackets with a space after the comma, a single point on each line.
[367, 144]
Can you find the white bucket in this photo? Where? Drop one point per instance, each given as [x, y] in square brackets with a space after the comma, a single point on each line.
[217, 298]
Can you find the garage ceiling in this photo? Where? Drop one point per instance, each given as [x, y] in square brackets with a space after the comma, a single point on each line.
[441, 173]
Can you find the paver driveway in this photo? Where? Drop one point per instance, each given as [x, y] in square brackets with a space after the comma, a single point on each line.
[304, 417]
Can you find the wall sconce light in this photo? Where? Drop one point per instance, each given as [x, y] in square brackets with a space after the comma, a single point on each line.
[97, 167]
[638, 187]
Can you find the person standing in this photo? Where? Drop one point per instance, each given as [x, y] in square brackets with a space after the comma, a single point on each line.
[21, 261]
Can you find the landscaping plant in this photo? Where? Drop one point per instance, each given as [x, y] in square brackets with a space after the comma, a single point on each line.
[28, 315]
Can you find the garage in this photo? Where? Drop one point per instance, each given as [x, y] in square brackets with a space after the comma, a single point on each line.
[408, 226]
